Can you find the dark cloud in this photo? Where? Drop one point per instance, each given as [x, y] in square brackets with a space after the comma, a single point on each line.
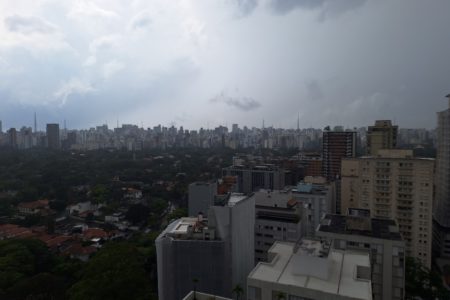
[242, 103]
[327, 7]
[246, 7]
[28, 25]
[285, 6]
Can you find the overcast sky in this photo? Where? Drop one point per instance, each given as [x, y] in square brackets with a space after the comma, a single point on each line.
[203, 63]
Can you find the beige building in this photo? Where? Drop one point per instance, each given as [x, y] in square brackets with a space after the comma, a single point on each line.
[395, 185]
[383, 135]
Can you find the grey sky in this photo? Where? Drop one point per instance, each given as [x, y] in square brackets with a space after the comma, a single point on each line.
[211, 62]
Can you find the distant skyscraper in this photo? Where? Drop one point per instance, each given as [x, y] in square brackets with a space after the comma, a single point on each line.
[12, 137]
[337, 144]
[35, 122]
[1, 127]
[442, 180]
[53, 140]
[383, 135]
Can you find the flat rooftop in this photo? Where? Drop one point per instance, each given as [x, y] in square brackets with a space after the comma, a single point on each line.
[186, 228]
[275, 198]
[236, 198]
[203, 296]
[344, 273]
[357, 225]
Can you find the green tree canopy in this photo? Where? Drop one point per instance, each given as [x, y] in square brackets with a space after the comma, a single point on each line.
[116, 272]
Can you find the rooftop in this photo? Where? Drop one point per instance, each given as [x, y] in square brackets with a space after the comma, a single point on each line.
[276, 198]
[357, 225]
[189, 229]
[310, 188]
[203, 296]
[344, 273]
[236, 198]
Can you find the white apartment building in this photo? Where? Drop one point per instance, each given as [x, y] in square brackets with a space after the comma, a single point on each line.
[310, 270]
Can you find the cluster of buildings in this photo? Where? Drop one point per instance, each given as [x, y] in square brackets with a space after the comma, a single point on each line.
[332, 225]
[134, 138]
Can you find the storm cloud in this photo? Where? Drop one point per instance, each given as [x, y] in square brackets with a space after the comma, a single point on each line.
[242, 103]
[333, 62]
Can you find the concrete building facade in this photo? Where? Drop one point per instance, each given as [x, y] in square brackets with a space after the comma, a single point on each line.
[278, 218]
[442, 196]
[252, 178]
[379, 236]
[394, 185]
[316, 200]
[383, 135]
[218, 251]
[201, 197]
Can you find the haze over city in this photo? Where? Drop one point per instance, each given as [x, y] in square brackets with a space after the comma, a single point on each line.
[208, 63]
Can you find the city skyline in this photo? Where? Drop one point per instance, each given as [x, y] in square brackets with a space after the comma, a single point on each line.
[195, 63]
[41, 126]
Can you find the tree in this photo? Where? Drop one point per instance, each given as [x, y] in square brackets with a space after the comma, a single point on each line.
[20, 259]
[115, 272]
[238, 290]
[137, 213]
[40, 286]
[177, 213]
[422, 283]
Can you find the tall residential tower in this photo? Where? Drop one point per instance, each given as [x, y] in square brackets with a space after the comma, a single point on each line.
[383, 135]
[441, 209]
[337, 144]
[53, 140]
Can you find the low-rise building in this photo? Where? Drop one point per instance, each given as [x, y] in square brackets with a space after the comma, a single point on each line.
[316, 200]
[34, 207]
[382, 238]
[311, 270]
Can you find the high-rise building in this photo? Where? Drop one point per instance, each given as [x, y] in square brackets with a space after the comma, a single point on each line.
[218, 251]
[382, 238]
[442, 195]
[253, 177]
[1, 127]
[383, 135]
[311, 270]
[396, 185]
[337, 144]
[201, 197]
[12, 138]
[53, 141]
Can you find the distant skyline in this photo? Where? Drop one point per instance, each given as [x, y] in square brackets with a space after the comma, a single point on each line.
[203, 63]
